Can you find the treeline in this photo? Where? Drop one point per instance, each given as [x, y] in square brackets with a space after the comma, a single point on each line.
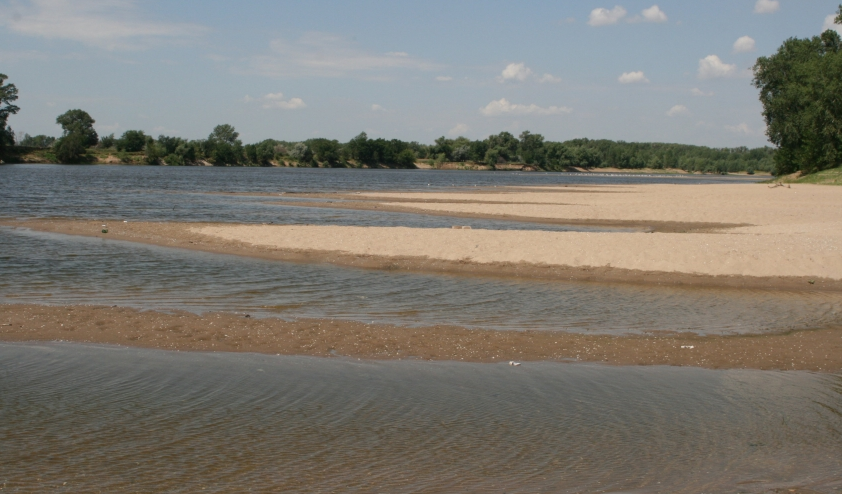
[223, 147]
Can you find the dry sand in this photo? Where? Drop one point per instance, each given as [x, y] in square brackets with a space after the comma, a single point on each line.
[816, 350]
[789, 232]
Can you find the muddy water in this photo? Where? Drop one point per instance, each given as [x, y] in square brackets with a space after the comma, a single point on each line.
[86, 419]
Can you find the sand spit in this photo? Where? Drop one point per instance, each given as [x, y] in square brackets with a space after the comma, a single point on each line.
[520, 254]
[702, 254]
[814, 350]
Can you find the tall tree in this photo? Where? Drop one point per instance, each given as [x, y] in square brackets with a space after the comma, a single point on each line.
[800, 89]
[8, 94]
[79, 123]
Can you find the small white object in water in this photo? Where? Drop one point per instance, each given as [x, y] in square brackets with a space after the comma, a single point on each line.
[689, 347]
[124, 221]
[514, 364]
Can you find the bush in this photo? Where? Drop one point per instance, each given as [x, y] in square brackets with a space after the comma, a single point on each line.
[71, 149]
[405, 159]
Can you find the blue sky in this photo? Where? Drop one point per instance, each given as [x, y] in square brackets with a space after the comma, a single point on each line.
[633, 70]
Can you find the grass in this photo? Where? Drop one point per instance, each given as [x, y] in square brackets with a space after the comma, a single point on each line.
[825, 177]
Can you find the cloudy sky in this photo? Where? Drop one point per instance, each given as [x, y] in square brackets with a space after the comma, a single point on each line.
[674, 71]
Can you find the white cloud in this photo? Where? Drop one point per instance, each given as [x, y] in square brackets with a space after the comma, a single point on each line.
[830, 23]
[458, 129]
[444, 78]
[515, 72]
[328, 55]
[633, 78]
[766, 6]
[519, 72]
[375, 108]
[503, 107]
[605, 17]
[742, 128]
[549, 78]
[652, 14]
[678, 110]
[712, 66]
[744, 45]
[698, 92]
[108, 24]
[277, 101]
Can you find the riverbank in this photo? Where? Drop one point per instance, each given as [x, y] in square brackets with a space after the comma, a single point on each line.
[815, 350]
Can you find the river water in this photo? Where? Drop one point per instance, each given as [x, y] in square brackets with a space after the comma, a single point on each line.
[89, 419]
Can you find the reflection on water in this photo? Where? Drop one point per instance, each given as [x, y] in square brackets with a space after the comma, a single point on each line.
[118, 420]
[60, 269]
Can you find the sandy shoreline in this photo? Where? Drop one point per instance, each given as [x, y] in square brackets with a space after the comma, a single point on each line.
[814, 350]
[743, 230]
[329, 245]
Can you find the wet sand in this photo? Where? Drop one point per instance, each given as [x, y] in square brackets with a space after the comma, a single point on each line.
[814, 350]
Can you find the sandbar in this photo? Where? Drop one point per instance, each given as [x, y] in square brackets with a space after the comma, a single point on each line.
[817, 350]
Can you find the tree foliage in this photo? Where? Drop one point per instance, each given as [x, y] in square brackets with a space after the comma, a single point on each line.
[8, 95]
[78, 136]
[132, 141]
[39, 141]
[71, 148]
[800, 87]
[80, 123]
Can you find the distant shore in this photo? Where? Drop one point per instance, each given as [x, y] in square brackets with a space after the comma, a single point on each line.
[812, 350]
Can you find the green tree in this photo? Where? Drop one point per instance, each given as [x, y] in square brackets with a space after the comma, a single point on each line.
[39, 141]
[506, 145]
[405, 159]
[225, 134]
[799, 89]
[132, 141]
[80, 123]
[224, 146]
[106, 142]
[532, 148]
[8, 94]
[71, 148]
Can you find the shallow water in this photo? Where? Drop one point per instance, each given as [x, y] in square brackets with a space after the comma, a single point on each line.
[182, 193]
[83, 419]
[61, 269]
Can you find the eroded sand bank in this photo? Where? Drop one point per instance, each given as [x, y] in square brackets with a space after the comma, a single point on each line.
[816, 350]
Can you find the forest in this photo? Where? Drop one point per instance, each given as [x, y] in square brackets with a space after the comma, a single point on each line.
[222, 147]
